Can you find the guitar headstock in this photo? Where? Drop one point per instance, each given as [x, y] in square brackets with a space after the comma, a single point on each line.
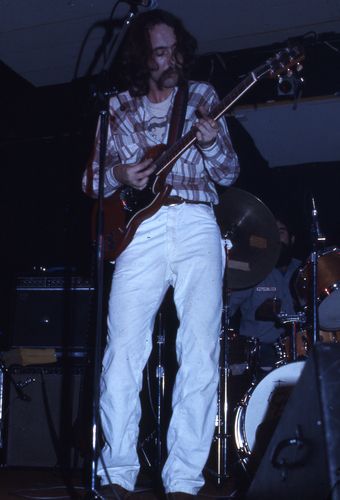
[286, 60]
[283, 61]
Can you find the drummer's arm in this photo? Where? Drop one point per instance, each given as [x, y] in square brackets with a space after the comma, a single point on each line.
[238, 299]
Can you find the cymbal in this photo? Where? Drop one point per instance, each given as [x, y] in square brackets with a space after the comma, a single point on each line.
[251, 227]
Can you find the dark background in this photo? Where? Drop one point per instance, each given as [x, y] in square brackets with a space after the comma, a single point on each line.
[46, 138]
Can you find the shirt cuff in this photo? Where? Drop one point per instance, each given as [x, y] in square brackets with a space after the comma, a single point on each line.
[211, 150]
[111, 178]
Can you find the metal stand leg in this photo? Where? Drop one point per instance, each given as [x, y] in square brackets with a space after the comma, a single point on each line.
[155, 438]
[222, 414]
[160, 375]
[222, 394]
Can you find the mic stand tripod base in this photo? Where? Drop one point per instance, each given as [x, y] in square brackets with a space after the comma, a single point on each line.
[93, 495]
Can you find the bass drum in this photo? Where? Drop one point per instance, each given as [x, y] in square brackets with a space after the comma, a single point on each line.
[328, 288]
[258, 413]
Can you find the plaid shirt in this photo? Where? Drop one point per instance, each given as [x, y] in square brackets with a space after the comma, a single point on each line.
[194, 173]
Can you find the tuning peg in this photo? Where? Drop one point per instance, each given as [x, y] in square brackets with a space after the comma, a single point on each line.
[289, 72]
[299, 67]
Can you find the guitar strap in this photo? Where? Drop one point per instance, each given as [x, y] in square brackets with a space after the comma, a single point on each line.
[178, 114]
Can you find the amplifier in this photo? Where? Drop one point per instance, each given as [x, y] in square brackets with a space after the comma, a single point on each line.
[40, 418]
[52, 311]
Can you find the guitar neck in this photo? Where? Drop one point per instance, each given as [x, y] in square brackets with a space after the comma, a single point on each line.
[233, 96]
[176, 150]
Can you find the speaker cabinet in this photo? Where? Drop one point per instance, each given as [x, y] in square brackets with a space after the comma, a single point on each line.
[302, 460]
[41, 407]
[52, 312]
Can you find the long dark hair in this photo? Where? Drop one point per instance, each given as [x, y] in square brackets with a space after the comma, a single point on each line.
[137, 49]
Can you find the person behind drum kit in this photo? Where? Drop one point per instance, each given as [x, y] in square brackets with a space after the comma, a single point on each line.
[259, 305]
[180, 246]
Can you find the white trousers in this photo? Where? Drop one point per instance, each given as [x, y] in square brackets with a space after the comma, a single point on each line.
[180, 246]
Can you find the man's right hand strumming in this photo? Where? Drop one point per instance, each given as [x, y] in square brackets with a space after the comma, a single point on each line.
[135, 175]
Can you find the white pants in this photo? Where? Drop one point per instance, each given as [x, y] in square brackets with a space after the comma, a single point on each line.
[179, 246]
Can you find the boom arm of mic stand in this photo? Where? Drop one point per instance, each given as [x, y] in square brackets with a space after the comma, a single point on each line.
[113, 49]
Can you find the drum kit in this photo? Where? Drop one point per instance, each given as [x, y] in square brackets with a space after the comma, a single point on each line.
[252, 247]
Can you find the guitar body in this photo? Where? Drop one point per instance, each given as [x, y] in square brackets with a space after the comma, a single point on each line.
[127, 208]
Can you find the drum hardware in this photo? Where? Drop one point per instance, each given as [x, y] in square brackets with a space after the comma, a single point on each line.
[154, 439]
[259, 410]
[142, 444]
[288, 351]
[328, 288]
[252, 247]
[242, 353]
[252, 355]
[299, 317]
[295, 345]
[254, 242]
[268, 310]
[317, 238]
[221, 434]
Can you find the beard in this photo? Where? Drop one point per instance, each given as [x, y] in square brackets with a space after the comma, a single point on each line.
[286, 255]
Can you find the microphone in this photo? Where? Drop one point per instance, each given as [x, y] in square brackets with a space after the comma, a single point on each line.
[315, 218]
[148, 4]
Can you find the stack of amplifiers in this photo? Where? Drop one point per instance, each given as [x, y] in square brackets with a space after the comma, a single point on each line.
[52, 311]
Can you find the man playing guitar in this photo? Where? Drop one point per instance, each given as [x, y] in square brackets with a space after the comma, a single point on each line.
[178, 245]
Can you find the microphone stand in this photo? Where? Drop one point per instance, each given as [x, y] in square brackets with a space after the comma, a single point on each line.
[92, 493]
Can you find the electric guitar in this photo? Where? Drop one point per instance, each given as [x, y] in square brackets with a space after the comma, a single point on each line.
[127, 207]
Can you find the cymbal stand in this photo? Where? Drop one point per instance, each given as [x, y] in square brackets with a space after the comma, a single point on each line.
[317, 240]
[222, 392]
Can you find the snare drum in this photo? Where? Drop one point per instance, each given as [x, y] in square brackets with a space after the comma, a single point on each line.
[259, 411]
[328, 289]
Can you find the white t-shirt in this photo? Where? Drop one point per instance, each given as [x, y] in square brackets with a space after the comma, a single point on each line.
[157, 117]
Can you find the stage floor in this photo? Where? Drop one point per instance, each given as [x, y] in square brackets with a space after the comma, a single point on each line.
[48, 484]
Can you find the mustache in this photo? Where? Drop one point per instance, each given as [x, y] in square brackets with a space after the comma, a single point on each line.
[171, 72]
